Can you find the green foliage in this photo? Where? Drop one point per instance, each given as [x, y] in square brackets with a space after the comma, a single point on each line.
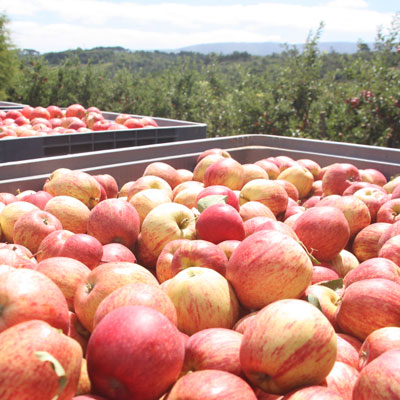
[329, 96]
[8, 57]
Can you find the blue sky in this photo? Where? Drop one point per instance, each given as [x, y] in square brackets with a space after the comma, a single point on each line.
[56, 25]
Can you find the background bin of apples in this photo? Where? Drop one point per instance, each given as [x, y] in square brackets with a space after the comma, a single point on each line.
[276, 279]
[53, 120]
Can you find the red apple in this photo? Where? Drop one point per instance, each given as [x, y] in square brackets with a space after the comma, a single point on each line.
[252, 209]
[338, 177]
[39, 198]
[324, 231]
[39, 112]
[344, 263]
[374, 199]
[354, 209]
[393, 230]
[133, 123]
[355, 186]
[138, 293]
[31, 228]
[117, 252]
[227, 172]
[55, 111]
[198, 253]
[216, 151]
[342, 379]
[109, 183]
[78, 184]
[391, 250]
[75, 110]
[389, 211]
[148, 121]
[211, 384]
[231, 198]
[66, 273]
[377, 343]
[79, 246]
[101, 125]
[300, 177]
[368, 305]
[164, 171]
[377, 177]
[8, 198]
[380, 379]
[311, 165]
[152, 348]
[298, 348]
[376, 267]
[114, 221]
[202, 165]
[102, 281]
[348, 348]
[313, 393]
[270, 167]
[29, 355]
[228, 247]
[276, 226]
[71, 212]
[165, 223]
[323, 274]
[220, 222]
[365, 244]
[268, 259]
[203, 299]
[253, 171]
[148, 182]
[267, 192]
[28, 294]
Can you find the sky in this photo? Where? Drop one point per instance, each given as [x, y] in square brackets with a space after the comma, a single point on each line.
[57, 25]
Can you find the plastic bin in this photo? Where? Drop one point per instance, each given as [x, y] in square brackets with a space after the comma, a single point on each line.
[168, 130]
[129, 163]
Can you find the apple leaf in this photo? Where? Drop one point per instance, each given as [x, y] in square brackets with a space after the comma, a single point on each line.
[334, 284]
[312, 299]
[210, 200]
[57, 367]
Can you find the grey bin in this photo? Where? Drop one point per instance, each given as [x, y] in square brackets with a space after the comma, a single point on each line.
[168, 130]
[127, 164]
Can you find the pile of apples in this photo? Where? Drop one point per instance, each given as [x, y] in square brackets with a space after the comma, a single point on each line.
[53, 120]
[278, 279]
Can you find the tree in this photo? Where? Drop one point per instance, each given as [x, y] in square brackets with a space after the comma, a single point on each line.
[8, 58]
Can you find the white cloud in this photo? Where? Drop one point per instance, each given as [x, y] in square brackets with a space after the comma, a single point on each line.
[48, 25]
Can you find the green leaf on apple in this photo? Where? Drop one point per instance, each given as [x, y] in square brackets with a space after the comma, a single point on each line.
[334, 284]
[210, 200]
[312, 299]
[57, 367]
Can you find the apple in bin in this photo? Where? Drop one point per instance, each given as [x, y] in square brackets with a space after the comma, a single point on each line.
[101, 125]
[252, 209]
[163, 170]
[10, 214]
[137, 293]
[270, 259]
[148, 182]
[117, 252]
[380, 379]
[253, 171]
[267, 192]
[134, 123]
[214, 348]
[27, 294]
[198, 253]
[114, 221]
[31, 228]
[342, 379]
[348, 348]
[75, 110]
[71, 212]
[149, 343]
[214, 151]
[66, 273]
[338, 177]
[368, 305]
[376, 267]
[228, 247]
[202, 165]
[374, 199]
[389, 211]
[164, 260]
[300, 177]
[365, 244]
[220, 222]
[274, 359]
[211, 384]
[393, 230]
[269, 167]
[165, 223]
[102, 281]
[391, 250]
[147, 199]
[323, 274]
[231, 197]
[38, 362]
[79, 246]
[324, 231]
[227, 172]
[39, 198]
[354, 209]
[377, 177]
[203, 299]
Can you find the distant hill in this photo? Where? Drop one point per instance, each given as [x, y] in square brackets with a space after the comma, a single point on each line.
[266, 48]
